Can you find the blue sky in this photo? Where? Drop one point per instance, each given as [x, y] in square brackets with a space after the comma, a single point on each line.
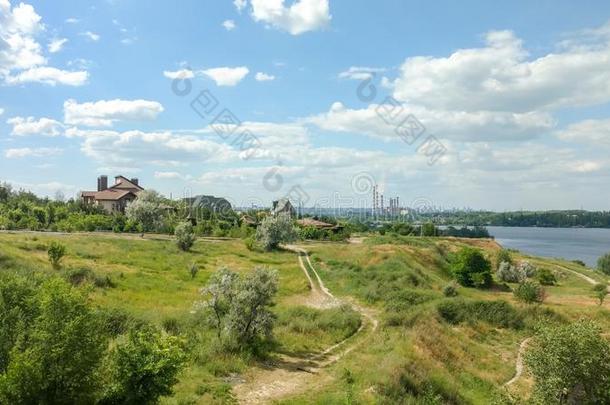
[500, 105]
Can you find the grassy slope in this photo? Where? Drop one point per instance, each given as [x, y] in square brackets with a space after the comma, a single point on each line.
[403, 279]
[153, 283]
[419, 356]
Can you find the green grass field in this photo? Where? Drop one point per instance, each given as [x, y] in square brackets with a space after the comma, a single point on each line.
[413, 357]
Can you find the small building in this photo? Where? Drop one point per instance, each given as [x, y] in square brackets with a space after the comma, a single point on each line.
[283, 206]
[113, 199]
[314, 223]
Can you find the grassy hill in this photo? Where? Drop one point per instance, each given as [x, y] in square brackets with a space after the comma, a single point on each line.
[427, 347]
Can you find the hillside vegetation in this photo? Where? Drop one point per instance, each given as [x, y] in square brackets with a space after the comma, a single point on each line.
[430, 346]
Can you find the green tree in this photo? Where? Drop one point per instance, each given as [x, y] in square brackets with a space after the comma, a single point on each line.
[529, 292]
[603, 264]
[146, 210]
[570, 364]
[239, 307]
[274, 230]
[144, 368]
[56, 358]
[600, 291]
[56, 252]
[471, 268]
[185, 237]
[546, 277]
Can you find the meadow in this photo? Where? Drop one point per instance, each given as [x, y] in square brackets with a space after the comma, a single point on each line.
[428, 348]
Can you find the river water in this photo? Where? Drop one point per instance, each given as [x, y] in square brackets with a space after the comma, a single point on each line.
[586, 244]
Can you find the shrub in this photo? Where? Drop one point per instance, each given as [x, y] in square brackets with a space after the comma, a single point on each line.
[570, 364]
[193, 270]
[503, 256]
[450, 290]
[472, 269]
[546, 277]
[185, 237]
[603, 264]
[497, 313]
[144, 368]
[527, 268]
[239, 307]
[600, 291]
[56, 252]
[529, 292]
[509, 273]
[275, 230]
[579, 262]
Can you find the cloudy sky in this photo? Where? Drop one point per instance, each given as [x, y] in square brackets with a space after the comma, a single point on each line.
[474, 103]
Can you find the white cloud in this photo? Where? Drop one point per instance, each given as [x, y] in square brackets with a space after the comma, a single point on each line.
[18, 46]
[1, 111]
[31, 152]
[360, 72]
[375, 121]
[301, 16]
[50, 75]
[226, 76]
[168, 175]
[91, 36]
[30, 126]
[72, 20]
[587, 166]
[21, 55]
[229, 25]
[57, 44]
[499, 76]
[263, 77]
[104, 113]
[179, 74]
[240, 4]
[593, 132]
[155, 148]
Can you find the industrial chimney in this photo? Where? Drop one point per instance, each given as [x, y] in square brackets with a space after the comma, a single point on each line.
[102, 183]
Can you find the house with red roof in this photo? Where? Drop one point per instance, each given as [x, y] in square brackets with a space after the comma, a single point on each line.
[113, 199]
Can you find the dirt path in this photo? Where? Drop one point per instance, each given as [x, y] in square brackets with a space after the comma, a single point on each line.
[525, 342]
[293, 375]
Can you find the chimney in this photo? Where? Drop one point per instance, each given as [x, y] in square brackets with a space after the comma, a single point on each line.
[134, 180]
[102, 183]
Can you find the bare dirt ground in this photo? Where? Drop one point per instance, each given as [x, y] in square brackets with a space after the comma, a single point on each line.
[293, 375]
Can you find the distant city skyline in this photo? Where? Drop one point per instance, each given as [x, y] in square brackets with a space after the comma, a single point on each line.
[497, 106]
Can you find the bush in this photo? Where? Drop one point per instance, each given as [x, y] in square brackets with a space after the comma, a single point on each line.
[275, 230]
[527, 268]
[603, 264]
[185, 237]
[144, 368]
[580, 263]
[503, 256]
[450, 290]
[193, 270]
[56, 252]
[600, 291]
[472, 269]
[546, 277]
[509, 273]
[239, 307]
[529, 292]
[497, 313]
[570, 365]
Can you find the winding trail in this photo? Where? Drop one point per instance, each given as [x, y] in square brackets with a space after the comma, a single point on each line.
[291, 375]
[523, 346]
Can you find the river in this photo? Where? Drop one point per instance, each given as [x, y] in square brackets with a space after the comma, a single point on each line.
[586, 244]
